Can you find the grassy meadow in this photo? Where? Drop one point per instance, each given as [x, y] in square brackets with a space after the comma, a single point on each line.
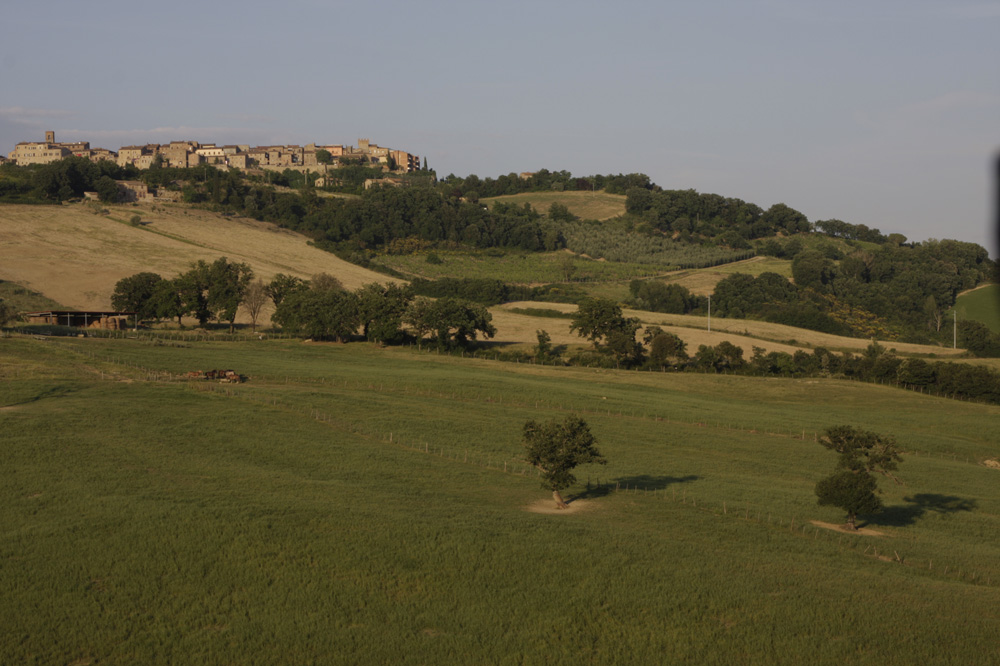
[982, 305]
[351, 505]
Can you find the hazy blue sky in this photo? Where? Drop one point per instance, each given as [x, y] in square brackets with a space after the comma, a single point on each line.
[882, 113]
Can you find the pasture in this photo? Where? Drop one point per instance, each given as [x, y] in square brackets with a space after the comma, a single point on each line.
[982, 305]
[359, 505]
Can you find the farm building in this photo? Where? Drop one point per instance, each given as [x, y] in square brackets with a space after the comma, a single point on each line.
[81, 319]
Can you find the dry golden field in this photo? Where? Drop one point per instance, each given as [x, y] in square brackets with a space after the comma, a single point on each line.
[75, 256]
[586, 205]
[702, 281]
[744, 333]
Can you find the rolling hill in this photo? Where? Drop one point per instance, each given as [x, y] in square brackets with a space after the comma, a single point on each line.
[74, 257]
[585, 205]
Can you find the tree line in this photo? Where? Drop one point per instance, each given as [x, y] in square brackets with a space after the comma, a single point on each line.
[61, 180]
[319, 308]
[893, 291]
[615, 345]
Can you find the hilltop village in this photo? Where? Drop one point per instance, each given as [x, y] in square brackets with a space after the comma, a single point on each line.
[181, 154]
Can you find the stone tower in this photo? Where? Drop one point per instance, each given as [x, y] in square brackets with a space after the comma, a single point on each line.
[50, 137]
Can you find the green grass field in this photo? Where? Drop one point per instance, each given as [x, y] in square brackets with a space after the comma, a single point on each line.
[356, 505]
[982, 305]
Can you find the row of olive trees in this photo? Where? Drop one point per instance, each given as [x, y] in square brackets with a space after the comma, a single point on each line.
[618, 243]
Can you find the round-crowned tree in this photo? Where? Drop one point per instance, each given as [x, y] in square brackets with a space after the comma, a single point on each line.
[556, 448]
[853, 486]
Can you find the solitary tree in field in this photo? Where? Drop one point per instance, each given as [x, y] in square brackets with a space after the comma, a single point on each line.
[556, 449]
[853, 487]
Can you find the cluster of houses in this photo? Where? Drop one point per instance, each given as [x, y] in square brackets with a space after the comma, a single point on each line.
[192, 153]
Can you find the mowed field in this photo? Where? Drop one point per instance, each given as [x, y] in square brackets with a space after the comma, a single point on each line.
[351, 505]
[702, 281]
[585, 205]
[75, 257]
[981, 304]
[694, 330]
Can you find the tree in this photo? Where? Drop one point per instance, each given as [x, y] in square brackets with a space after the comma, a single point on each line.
[319, 314]
[107, 189]
[600, 319]
[664, 348]
[192, 288]
[811, 269]
[227, 284]
[254, 300]
[543, 350]
[166, 301]
[281, 285]
[853, 486]
[418, 317]
[325, 282]
[381, 309]
[854, 493]
[323, 156]
[596, 318]
[453, 321]
[556, 449]
[567, 266]
[978, 338]
[7, 313]
[136, 294]
[560, 213]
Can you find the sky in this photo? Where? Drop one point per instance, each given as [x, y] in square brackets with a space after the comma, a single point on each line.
[882, 112]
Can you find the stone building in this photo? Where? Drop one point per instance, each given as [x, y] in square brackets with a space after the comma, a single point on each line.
[183, 154]
[43, 152]
[132, 154]
[134, 190]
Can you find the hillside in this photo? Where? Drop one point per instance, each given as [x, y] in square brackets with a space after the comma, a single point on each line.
[585, 205]
[370, 503]
[75, 257]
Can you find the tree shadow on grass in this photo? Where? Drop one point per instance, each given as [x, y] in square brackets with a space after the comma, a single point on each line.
[53, 392]
[641, 482]
[919, 505]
